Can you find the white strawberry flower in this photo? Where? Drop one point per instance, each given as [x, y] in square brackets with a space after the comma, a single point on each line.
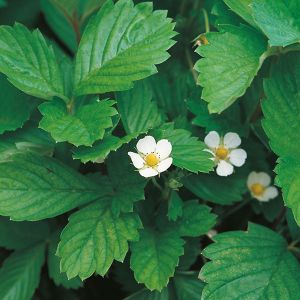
[152, 158]
[225, 151]
[259, 185]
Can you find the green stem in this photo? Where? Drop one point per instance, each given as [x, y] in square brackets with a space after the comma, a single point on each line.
[155, 183]
[236, 208]
[206, 20]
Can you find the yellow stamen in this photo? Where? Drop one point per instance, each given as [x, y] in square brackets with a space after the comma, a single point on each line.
[222, 152]
[257, 189]
[151, 160]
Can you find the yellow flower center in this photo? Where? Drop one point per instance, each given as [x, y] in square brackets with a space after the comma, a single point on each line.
[257, 189]
[222, 152]
[151, 160]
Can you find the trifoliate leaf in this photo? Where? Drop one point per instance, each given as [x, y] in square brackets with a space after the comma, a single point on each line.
[174, 206]
[255, 264]
[279, 20]
[216, 189]
[101, 149]
[54, 267]
[121, 44]
[19, 235]
[29, 63]
[20, 273]
[243, 9]
[187, 151]
[231, 60]
[56, 189]
[282, 125]
[84, 127]
[154, 257]
[196, 219]
[93, 247]
[138, 112]
[128, 186]
[15, 107]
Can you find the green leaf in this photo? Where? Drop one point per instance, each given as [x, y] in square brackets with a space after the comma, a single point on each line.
[174, 207]
[20, 235]
[282, 124]
[101, 149]
[54, 268]
[15, 107]
[67, 18]
[279, 20]
[154, 257]
[93, 247]
[20, 273]
[34, 188]
[84, 127]
[187, 151]
[145, 294]
[196, 219]
[138, 112]
[255, 264]
[243, 9]
[216, 189]
[192, 249]
[128, 186]
[121, 44]
[29, 63]
[231, 60]
[3, 3]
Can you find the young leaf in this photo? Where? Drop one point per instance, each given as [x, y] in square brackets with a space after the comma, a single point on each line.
[20, 273]
[255, 264]
[187, 151]
[29, 63]
[93, 247]
[282, 125]
[279, 20]
[84, 127]
[154, 257]
[138, 112]
[196, 219]
[175, 206]
[20, 235]
[54, 268]
[243, 9]
[216, 189]
[231, 60]
[15, 107]
[56, 189]
[121, 44]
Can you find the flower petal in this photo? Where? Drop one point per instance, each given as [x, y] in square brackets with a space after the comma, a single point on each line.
[263, 178]
[148, 172]
[146, 145]
[163, 149]
[232, 140]
[224, 168]
[252, 179]
[136, 159]
[164, 165]
[212, 140]
[238, 157]
[271, 192]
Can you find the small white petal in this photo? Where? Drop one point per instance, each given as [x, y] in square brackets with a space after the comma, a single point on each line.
[271, 192]
[263, 178]
[232, 140]
[238, 157]
[252, 179]
[136, 159]
[224, 168]
[164, 165]
[146, 145]
[148, 172]
[163, 149]
[212, 140]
